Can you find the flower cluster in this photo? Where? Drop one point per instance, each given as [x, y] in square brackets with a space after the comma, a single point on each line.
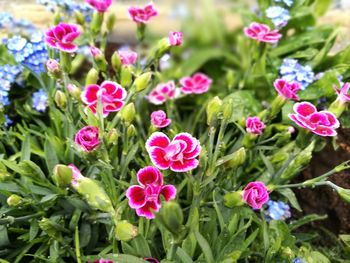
[277, 210]
[8, 75]
[40, 100]
[291, 70]
[278, 15]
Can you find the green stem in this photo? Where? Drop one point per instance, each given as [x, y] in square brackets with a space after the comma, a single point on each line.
[77, 245]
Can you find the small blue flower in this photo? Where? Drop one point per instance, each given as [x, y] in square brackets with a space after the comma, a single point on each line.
[40, 100]
[287, 2]
[291, 70]
[8, 75]
[5, 19]
[8, 121]
[277, 210]
[298, 260]
[278, 15]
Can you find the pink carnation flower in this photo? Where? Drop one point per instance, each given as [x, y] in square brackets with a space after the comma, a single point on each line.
[162, 92]
[179, 154]
[322, 123]
[101, 6]
[159, 119]
[175, 38]
[76, 175]
[197, 84]
[145, 197]
[254, 125]
[127, 57]
[142, 15]
[88, 138]
[62, 36]
[111, 93]
[343, 95]
[262, 33]
[287, 90]
[255, 194]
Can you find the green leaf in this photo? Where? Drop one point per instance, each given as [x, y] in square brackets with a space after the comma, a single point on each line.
[25, 152]
[183, 256]
[4, 240]
[141, 247]
[291, 197]
[33, 230]
[305, 220]
[321, 6]
[51, 158]
[203, 243]
[32, 170]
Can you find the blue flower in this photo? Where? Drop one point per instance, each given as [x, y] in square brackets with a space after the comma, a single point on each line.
[40, 100]
[5, 19]
[298, 260]
[8, 75]
[291, 70]
[287, 2]
[277, 210]
[278, 15]
[8, 121]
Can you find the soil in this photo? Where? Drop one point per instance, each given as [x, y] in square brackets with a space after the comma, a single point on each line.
[323, 200]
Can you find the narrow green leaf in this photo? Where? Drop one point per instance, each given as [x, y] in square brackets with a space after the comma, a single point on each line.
[203, 243]
[183, 256]
[25, 151]
[51, 158]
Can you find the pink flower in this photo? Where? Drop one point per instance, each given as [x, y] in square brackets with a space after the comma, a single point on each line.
[95, 52]
[88, 138]
[343, 95]
[145, 198]
[287, 90]
[62, 36]
[179, 154]
[322, 123]
[262, 33]
[111, 93]
[162, 92]
[175, 38]
[100, 5]
[53, 66]
[76, 174]
[255, 194]
[152, 260]
[197, 84]
[103, 261]
[159, 119]
[254, 125]
[142, 15]
[127, 57]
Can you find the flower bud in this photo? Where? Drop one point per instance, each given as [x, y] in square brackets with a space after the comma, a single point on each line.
[213, 108]
[126, 76]
[125, 231]
[111, 22]
[96, 52]
[99, 58]
[163, 46]
[91, 77]
[57, 18]
[53, 68]
[142, 81]
[344, 194]
[235, 159]
[112, 136]
[74, 91]
[65, 61]
[62, 175]
[60, 99]
[96, 22]
[227, 109]
[230, 78]
[49, 228]
[131, 132]
[116, 62]
[79, 18]
[233, 199]
[172, 217]
[14, 200]
[128, 113]
[4, 175]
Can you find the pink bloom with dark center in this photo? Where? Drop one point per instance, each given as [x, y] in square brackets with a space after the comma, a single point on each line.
[62, 36]
[159, 119]
[343, 95]
[142, 15]
[255, 194]
[76, 174]
[88, 138]
[179, 154]
[322, 123]
[175, 38]
[145, 197]
[262, 33]
[101, 6]
[162, 92]
[111, 93]
[197, 84]
[287, 90]
[254, 125]
[127, 57]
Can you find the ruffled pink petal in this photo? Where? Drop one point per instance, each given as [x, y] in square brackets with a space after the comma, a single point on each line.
[148, 209]
[67, 47]
[184, 165]
[114, 106]
[136, 196]
[304, 108]
[149, 175]
[332, 119]
[89, 95]
[324, 131]
[194, 153]
[158, 139]
[157, 156]
[169, 192]
[59, 32]
[190, 141]
[295, 118]
[70, 37]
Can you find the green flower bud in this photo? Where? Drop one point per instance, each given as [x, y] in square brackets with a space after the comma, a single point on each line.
[233, 199]
[125, 231]
[227, 110]
[4, 175]
[112, 136]
[126, 75]
[79, 18]
[49, 228]
[57, 18]
[344, 194]
[230, 78]
[65, 61]
[337, 107]
[74, 91]
[142, 81]
[233, 160]
[213, 108]
[163, 46]
[116, 62]
[131, 132]
[96, 22]
[60, 99]
[111, 19]
[62, 175]
[171, 217]
[128, 113]
[14, 200]
[91, 77]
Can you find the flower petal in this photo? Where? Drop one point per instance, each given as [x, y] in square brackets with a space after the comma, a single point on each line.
[184, 166]
[158, 139]
[136, 196]
[149, 175]
[169, 192]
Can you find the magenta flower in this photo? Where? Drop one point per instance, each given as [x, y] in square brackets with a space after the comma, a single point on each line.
[127, 57]
[159, 119]
[88, 138]
[197, 84]
[322, 123]
[179, 154]
[255, 194]
[62, 36]
[142, 15]
[95, 52]
[76, 174]
[175, 38]
[254, 125]
[343, 95]
[145, 198]
[287, 89]
[152, 260]
[162, 92]
[111, 93]
[262, 33]
[101, 6]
